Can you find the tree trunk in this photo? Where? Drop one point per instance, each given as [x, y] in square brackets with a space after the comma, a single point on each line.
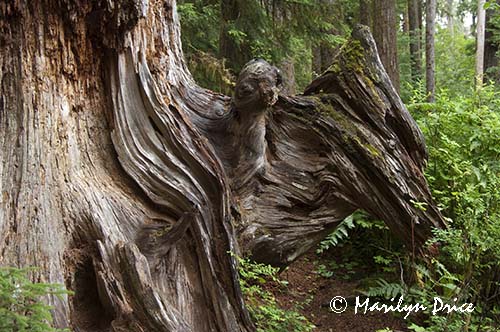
[234, 53]
[324, 52]
[480, 38]
[415, 40]
[128, 183]
[406, 22]
[450, 16]
[288, 72]
[491, 48]
[364, 12]
[385, 33]
[430, 66]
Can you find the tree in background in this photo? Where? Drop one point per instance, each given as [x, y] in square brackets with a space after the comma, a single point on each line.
[450, 15]
[305, 34]
[430, 65]
[365, 12]
[385, 34]
[415, 33]
[492, 42]
[295, 35]
[480, 42]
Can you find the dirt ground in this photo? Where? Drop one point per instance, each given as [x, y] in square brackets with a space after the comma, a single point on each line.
[315, 291]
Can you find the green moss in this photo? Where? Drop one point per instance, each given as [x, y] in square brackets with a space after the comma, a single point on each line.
[354, 56]
[373, 150]
[367, 146]
[349, 132]
[334, 68]
[161, 231]
[373, 90]
[350, 56]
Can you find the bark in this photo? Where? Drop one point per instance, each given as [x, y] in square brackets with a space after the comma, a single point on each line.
[128, 183]
[491, 48]
[430, 65]
[127, 207]
[415, 40]
[324, 52]
[385, 34]
[450, 15]
[405, 22]
[317, 66]
[480, 42]
[364, 12]
[288, 73]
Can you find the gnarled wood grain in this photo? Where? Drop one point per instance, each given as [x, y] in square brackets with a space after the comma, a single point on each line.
[123, 179]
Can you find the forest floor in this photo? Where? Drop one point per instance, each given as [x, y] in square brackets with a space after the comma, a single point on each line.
[315, 291]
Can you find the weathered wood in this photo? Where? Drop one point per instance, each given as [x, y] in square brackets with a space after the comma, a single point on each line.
[349, 144]
[123, 179]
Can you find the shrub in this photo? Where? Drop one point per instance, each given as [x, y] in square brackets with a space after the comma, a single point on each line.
[265, 311]
[21, 307]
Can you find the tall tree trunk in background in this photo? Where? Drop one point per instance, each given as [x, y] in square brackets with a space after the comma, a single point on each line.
[229, 49]
[317, 67]
[450, 15]
[364, 12]
[323, 53]
[420, 8]
[491, 48]
[406, 22]
[430, 66]
[385, 33]
[415, 40]
[287, 67]
[127, 182]
[480, 38]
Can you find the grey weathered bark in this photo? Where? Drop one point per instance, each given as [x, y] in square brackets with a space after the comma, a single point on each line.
[415, 40]
[124, 180]
[430, 65]
[480, 38]
[385, 34]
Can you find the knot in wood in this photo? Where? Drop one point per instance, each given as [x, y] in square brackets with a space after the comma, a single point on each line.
[257, 86]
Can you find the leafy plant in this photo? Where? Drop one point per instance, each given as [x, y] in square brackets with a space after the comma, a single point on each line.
[21, 306]
[266, 313]
[463, 137]
[339, 234]
[385, 289]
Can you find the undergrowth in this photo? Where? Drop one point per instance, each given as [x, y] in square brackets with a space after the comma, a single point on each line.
[265, 311]
[463, 138]
[21, 305]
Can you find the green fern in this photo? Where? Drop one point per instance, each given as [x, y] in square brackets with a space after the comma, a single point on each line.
[266, 313]
[338, 235]
[385, 289]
